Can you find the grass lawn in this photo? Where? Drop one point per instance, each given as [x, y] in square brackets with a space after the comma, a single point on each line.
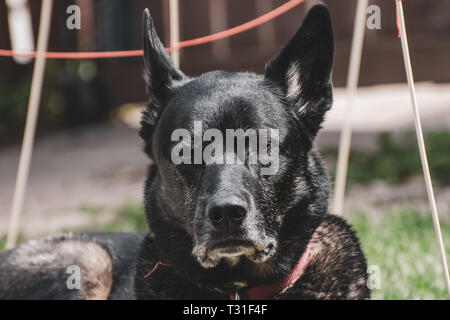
[397, 159]
[2, 243]
[402, 245]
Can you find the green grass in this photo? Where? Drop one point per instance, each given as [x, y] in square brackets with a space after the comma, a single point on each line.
[403, 245]
[2, 243]
[129, 218]
[397, 159]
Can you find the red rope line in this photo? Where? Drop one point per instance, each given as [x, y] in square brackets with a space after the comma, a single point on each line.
[73, 55]
[398, 23]
[175, 46]
[241, 28]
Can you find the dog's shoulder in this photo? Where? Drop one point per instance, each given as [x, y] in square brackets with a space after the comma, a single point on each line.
[336, 267]
[56, 267]
[80, 266]
[333, 233]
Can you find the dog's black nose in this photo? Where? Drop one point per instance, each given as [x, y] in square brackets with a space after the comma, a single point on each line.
[226, 211]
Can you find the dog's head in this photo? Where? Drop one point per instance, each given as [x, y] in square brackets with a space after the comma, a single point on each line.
[232, 152]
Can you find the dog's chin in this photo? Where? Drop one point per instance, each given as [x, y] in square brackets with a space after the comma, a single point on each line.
[232, 252]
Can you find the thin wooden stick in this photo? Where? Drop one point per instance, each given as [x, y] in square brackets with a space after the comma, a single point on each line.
[421, 143]
[352, 83]
[174, 31]
[30, 126]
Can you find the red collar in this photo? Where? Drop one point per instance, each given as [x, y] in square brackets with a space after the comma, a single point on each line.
[269, 290]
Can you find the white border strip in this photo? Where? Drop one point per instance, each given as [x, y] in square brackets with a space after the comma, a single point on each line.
[30, 126]
[421, 143]
[352, 83]
[174, 30]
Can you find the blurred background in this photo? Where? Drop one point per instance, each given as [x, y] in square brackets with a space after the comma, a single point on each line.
[88, 169]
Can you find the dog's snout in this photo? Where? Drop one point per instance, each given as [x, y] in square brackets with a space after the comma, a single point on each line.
[226, 211]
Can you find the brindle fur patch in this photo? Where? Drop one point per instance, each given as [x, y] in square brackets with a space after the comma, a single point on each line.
[38, 269]
[336, 267]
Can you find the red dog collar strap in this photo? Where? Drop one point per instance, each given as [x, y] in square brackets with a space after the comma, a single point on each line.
[267, 291]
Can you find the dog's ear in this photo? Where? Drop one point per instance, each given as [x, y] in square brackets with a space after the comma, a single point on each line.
[303, 68]
[160, 73]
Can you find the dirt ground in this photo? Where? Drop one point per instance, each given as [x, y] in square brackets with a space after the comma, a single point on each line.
[103, 167]
[100, 167]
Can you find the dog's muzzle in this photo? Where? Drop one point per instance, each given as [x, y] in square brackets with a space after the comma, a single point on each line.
[231, 233]
[232, 251]
[232, 248]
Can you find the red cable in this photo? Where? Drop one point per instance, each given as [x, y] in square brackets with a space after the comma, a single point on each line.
[176, 46]
[241, 28]
[74, 55]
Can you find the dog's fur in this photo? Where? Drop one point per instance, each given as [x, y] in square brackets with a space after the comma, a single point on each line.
[279, 215]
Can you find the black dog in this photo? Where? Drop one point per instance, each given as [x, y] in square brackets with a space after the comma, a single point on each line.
[219, 230]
